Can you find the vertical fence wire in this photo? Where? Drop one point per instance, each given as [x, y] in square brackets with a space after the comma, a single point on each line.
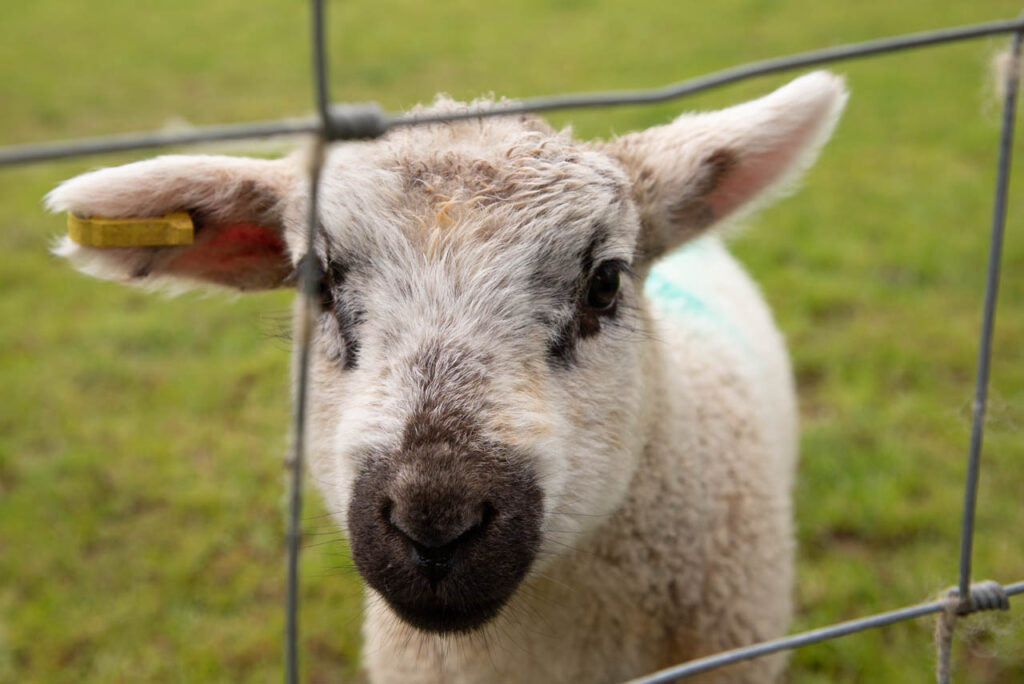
[309, 285]
[988, 317]
[310, 275]
[964, 598]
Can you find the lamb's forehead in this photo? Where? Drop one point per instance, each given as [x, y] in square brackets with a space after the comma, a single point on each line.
[507, 179]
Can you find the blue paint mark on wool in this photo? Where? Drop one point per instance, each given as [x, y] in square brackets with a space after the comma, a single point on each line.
[678, 284]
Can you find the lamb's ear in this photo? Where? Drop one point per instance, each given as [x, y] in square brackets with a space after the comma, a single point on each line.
[236, 205]
[703, 168]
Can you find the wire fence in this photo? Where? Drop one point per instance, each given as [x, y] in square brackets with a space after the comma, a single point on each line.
[360, 121]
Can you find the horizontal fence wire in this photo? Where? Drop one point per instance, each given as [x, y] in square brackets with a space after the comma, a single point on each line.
[348, 121]
[803, 639]
[355, 121]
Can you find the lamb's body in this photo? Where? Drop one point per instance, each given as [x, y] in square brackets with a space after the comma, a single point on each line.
[544, 474]
[658, 584]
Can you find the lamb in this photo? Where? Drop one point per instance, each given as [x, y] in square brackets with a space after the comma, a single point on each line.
[561, 448]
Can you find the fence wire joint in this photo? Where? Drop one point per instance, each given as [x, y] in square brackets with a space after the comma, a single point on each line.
[360, 121]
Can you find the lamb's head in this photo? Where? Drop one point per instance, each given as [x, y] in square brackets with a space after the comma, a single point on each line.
[481, 360]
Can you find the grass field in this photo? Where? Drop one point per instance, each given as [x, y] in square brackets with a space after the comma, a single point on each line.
[141, 437]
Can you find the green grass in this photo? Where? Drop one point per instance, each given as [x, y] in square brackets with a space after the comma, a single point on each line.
[141, 437]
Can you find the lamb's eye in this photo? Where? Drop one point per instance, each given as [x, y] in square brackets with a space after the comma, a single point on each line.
[604, 285]
[326, 296]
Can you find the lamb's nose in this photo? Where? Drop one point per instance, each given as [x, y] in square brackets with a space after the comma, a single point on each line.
[436, 533]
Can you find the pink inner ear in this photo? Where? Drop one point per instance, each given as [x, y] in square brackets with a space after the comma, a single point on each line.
[749, 177]
[757, 171]
[238, 254]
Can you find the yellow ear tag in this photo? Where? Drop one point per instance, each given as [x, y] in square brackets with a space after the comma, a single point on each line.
[169, 230]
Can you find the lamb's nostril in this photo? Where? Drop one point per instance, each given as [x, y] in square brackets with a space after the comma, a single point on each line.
[436, 534]
[434, 563]
[434, 526]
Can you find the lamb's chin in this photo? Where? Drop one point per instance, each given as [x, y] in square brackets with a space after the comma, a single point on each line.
[441, 618]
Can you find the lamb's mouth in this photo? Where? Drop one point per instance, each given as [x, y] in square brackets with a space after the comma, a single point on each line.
[445, 618]
[461, 591]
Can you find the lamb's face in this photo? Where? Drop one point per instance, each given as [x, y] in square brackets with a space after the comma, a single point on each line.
[476, 381]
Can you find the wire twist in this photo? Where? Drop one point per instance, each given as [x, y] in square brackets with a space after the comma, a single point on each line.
[360, 121]
[985, 595]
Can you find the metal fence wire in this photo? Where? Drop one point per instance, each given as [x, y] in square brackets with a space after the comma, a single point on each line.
[360, 121]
